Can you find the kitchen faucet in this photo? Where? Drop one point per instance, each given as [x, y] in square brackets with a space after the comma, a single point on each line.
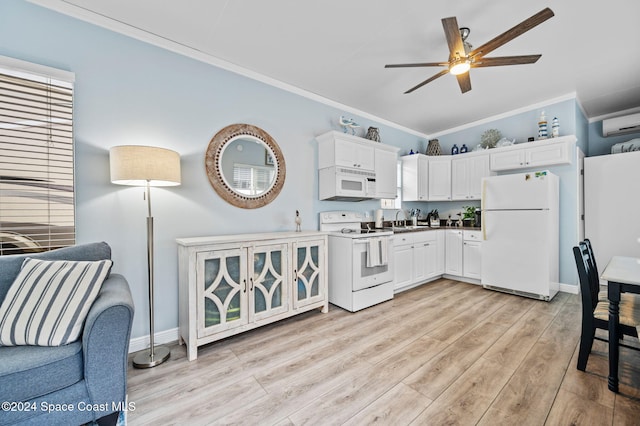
[404, 222]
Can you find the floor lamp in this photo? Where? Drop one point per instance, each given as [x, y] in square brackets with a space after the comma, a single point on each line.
[146, 166]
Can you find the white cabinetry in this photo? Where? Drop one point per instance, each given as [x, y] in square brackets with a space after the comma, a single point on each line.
[440, 178]
[533, 154]
[386, 167]
[418, 257]
[339, 149]
[467, 174]
[379, 161]
[234, 283]
[453, 256]
[415, 177]
[471, 254]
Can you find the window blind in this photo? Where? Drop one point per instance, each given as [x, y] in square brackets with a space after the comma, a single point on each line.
[252, 180]
[36, 163]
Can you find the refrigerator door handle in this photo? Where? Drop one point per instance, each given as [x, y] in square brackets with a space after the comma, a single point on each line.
[482, 198]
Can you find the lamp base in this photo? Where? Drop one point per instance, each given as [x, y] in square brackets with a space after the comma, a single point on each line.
[145, 360]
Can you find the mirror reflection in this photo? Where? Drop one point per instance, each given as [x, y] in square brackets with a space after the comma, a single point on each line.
[247, 165]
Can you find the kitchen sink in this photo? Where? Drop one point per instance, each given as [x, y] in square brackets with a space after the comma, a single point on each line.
[407, 228]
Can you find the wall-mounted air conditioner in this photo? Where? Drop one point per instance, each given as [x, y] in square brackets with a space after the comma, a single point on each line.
[621, 125]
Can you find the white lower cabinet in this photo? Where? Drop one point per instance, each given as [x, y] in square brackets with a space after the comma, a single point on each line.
[453, 256]
[471, 254]
[418, 257]
[234, 283]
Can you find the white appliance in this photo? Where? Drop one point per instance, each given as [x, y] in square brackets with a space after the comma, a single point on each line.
[621, 125]
[345, 184]
[360, 261]
[520, 228]
[612, 203]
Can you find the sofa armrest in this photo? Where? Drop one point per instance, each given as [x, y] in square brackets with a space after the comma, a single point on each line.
[105, 344]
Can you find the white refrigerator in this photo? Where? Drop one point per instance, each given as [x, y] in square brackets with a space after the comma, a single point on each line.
[520, 229]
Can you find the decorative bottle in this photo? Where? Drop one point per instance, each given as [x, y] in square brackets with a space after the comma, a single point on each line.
[463, 148]
[555, 127]
[454, 150]
[542, 126]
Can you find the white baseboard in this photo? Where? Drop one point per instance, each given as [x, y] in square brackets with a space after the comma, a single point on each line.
[569, 288]
[164, 337]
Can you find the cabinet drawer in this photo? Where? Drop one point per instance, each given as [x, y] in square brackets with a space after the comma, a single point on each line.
[471, 235]
[403, 239]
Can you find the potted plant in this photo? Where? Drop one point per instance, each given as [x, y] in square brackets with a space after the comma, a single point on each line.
[469, 215]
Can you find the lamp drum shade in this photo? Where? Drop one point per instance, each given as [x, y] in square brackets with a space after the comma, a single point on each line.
[136, 165]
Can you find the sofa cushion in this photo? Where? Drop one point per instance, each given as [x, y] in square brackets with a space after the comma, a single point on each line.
[10, 265]
[27, 372]
[49, 301]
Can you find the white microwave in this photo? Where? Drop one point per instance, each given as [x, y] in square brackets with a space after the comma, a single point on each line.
[344, 184]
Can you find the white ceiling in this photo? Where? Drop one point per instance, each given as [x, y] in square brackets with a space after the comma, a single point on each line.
[337, 49]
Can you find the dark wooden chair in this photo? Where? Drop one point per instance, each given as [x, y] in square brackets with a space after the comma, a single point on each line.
[595, 312]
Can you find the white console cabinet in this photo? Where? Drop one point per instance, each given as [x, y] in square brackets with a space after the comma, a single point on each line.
[233, 283]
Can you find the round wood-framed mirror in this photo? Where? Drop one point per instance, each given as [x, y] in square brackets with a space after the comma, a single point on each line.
[245, 166]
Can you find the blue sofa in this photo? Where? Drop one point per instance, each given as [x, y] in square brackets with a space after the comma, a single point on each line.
[78, 383]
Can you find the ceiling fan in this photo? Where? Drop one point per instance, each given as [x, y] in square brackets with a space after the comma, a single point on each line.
[462, 58]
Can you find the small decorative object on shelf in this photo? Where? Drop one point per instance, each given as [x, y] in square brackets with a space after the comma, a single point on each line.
[411, 152]
[542, 126]
[373, 134]
[348, 123]
[463, 149]
[555, 127]
[454, 149]
[433, 148]
[298, 221]
[490, 138]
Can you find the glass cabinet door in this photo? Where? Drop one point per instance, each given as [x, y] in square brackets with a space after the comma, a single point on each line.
[269, 281]
[309, 286]
[222, 290]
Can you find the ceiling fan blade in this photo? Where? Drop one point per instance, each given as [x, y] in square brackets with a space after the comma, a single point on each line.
[506, 60]
[514, 32]
[452, 33]
[464, 81]
[429, 80]
[421, 64]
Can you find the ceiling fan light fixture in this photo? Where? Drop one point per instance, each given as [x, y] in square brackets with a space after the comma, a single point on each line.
[460, 67]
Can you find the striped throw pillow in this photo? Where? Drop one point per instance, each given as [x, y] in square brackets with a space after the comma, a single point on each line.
[49, 300]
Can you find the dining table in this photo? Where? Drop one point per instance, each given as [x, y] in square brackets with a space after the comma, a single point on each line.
[623, 275]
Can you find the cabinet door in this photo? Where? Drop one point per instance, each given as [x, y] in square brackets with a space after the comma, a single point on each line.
[269, 281]
[471, 253]
[547, 155]
[477, 168]
[512, 159]
[440, 251]
[453, 259]
[425, 258]
[309, 285]
[221, 290]
[386, 173]
[459, 178]
[403, 266]
[415, 177]
[354, 155]
[439, 179]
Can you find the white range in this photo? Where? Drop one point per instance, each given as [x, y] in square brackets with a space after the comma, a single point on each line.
[360, 261]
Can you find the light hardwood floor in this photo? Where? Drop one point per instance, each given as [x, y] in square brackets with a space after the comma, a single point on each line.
[443, 353]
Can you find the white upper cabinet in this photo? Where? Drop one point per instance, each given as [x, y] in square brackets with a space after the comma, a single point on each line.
[440, 178]
[467, 174]
[340, 150]
[544, 153]
[415, 177]
[386, 167]
[349, 154]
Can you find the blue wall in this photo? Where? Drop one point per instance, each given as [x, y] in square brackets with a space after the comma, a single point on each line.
[129, 92]
[599, 145]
